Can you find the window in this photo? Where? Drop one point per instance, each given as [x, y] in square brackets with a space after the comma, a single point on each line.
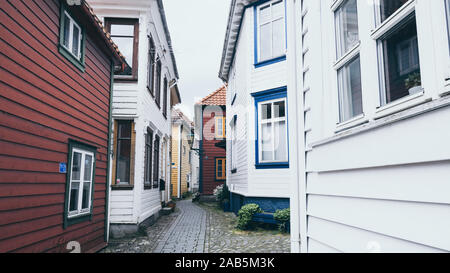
[158, 83]
[389, 7]
[125, 33]
[346, 27]
[72, 39]
[348, 62]
[165, 90]
[400, 66]
[148, 158]
[234, 145]
[156, 163]
[151, 64]
[220, 127]
[123, 152]
[270, 31]
[221, 169]
[80, 182]
[447, 9]
[272, 133]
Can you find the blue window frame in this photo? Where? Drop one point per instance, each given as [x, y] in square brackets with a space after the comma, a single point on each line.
[270, 32]
[271, 127]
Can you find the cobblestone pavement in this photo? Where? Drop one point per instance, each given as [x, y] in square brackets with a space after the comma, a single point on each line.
[194, 228]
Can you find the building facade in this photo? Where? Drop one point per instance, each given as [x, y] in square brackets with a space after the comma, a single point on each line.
[57, 77]
[254, 66]
[143, 98]
[367, 100]
[181, 169]
[375, 81]
[210, 130]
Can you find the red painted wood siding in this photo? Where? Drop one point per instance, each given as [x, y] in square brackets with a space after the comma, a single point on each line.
[44, 101]
[210, 150]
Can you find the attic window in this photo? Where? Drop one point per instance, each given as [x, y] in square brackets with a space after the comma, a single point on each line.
[71, 40]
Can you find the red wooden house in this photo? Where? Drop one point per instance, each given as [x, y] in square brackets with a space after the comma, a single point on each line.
[56, 63]
[211, 116]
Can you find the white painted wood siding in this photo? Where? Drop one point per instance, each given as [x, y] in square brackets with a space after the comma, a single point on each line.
[133, 100]
[381, 187]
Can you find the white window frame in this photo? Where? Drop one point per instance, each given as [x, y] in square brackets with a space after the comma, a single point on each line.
[343, 60]
[73, 25]
[272, 121]
[447, 20]
[381, 29]
[80, 211]
[233, 127]
[259, 24]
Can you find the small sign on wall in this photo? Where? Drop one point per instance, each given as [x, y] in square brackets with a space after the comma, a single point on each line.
[62, 168]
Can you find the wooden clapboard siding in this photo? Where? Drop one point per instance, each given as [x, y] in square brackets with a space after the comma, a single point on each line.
[211, 151]
[175, 159]
[45, 101]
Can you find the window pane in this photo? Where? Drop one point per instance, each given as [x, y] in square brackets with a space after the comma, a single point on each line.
[125, 129]
[66, 36]
[266, 110]
[401, 62]
[277, 10]
[122, 30]
[76, 166]
[389, 7]
[123, 161]
[279, 109]
[280, 141]
[265, 42]
[88, 168]
[264, 15]
[350, 91]
[86, 195]
[76, 41]
[347, 26]
[266, 142]
[126, 48]
[278, 38]
[75, 187]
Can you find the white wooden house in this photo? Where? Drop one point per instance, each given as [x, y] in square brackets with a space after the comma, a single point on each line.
[372, 81]
[259, 166]
[368, 115]
[142, 101]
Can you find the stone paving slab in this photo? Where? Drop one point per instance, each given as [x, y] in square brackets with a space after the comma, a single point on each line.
[203, 228]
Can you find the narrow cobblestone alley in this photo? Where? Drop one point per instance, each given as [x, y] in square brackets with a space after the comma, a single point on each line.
[194, 228]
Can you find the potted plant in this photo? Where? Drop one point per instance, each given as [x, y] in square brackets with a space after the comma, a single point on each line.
[413, 83]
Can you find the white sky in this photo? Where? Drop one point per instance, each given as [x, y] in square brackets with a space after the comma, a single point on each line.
[197, 29]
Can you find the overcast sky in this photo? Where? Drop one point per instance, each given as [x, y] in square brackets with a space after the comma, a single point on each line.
[197, 29]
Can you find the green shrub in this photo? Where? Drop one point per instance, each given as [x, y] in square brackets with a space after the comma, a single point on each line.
[283, 216]
[186, 195]
[222, 193]
[245, 215]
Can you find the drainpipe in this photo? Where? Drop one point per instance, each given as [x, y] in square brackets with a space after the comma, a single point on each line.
[109, 164]
[296, 132]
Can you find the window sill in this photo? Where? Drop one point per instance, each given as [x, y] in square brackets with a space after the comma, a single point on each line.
[77, 63]
[149, 187]
[280, 165]
[401, 104]
[125, 78]
[77, 219]
[356, 121]
[271, 61]
[122, 187]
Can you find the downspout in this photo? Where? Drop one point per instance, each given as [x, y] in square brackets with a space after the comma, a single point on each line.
[296, 132]
[200, 187]
[108, 167]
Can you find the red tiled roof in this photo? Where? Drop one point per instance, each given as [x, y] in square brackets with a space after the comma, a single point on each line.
[218, 97]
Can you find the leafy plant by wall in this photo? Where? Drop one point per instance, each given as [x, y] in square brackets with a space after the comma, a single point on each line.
[245, 215]
[283, 216]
